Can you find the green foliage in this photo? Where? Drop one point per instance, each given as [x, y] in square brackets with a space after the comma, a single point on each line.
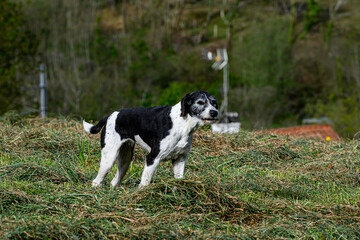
[340, 99]
[11, 117]
[18, 47]
[344, 112]
[173, 93]
[169, 75]
[99, 58]
[311, 16]
[105, 52]
[268, 60]
[291, 37]
[329, 33]
[262, 76]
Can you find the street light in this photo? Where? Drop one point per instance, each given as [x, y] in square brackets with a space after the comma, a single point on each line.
[229, 122]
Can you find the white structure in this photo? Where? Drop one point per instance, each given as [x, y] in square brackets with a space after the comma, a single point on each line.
[228, 128]
[230, 123]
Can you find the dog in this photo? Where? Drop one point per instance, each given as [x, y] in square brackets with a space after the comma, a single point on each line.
[165, 132]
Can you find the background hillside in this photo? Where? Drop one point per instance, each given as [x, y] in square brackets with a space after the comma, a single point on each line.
[242, 186]
[289, 59]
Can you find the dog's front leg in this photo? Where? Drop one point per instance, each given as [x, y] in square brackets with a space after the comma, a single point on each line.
[179, 166]
[149, 171]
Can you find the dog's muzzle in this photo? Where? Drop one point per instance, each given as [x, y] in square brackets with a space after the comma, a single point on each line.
[214, 116]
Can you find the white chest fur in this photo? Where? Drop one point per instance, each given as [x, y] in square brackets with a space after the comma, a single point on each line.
[172, 150]
[179, 140]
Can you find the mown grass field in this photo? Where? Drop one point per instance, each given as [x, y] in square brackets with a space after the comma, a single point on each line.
[243, 186]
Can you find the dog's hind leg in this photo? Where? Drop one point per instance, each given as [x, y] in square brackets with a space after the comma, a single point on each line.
[123, 162]
[109, 154]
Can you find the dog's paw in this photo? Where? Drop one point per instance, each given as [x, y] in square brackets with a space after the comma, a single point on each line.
[114, 186]
[178, 176]
[141, 186]
[95, 184]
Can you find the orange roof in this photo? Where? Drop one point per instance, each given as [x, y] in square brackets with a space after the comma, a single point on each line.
[319, 131]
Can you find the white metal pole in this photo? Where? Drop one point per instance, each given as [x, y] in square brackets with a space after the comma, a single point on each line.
[226, 88]
[224, 106]
[42, 91]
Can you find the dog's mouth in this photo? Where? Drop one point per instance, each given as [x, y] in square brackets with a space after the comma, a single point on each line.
[209, 120]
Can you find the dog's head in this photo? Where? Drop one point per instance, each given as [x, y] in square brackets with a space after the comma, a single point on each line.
[201, 105]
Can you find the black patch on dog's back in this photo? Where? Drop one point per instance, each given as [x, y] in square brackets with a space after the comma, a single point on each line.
[151, 124]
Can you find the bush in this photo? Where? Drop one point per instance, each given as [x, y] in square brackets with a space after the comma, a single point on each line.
[262, 73]
[18, 48]
[344, 112]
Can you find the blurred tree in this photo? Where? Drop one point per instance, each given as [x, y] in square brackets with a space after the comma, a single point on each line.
[17, 46]
[263, 79]
[311, 16]
[103, 55]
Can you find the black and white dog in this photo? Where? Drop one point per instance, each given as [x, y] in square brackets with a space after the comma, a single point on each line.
[166, 132]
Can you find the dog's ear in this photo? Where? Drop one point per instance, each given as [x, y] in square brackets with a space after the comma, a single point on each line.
[185, 105]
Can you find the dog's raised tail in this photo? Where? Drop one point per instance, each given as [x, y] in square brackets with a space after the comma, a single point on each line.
[93, 129]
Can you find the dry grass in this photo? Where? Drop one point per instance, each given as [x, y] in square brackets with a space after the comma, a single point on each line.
[247, 185]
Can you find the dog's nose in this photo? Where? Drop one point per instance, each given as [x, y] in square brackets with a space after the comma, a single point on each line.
[213, 113]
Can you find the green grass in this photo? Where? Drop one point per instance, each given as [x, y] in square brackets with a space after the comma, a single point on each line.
[246, 186]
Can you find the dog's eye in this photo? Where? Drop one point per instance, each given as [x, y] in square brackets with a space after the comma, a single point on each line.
[200, 102]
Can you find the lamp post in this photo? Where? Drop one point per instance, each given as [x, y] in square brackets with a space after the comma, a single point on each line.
[221, 63]
[42, 87]
[229, 122]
